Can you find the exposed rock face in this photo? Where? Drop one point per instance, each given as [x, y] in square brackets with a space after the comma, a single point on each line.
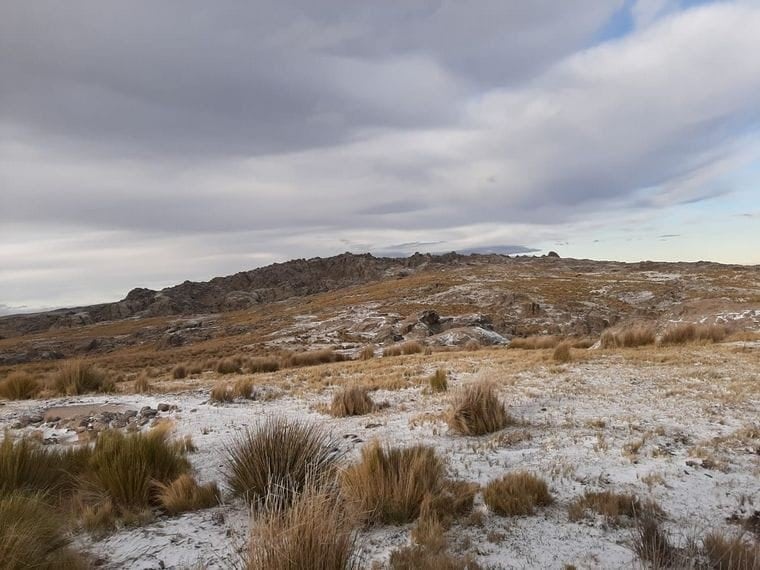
[239, 291]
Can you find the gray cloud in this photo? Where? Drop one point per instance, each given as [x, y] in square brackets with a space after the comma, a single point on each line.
[182, 140]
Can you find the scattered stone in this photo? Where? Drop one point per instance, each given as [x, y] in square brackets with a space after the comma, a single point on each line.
[164, 407]
[148, 412]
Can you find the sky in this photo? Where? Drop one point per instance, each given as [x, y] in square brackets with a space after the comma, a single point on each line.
[143, 143]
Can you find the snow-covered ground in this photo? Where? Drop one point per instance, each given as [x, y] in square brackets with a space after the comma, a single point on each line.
[578, 424]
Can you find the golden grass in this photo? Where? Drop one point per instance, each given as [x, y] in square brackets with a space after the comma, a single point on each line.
[222, 392]
[418, 557]
[562, 352]
[535, 342]
[690, 332]
[367, 353]
[76, 377]
[316, 531]
[731, 553]
[280, 457]
[19, 386]
[312, 358]
[477, 410]
[126, 468]
[629, 337]
[263, 364]
[33, 536]
[404, 348]
[351, 401]
[143, 384]
[653, 545]
[612, 506]
[228, 366]
[389, 484]
[517, 493]
[180, 371]
[185, 494]
[438, 381]
[243, 388]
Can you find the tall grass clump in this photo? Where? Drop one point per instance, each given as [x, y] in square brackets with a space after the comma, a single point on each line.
[439, 381]
[313, 357]
[629, 337]
[279, 458]
[367, 353]
[228, 366]
[127, 468]
[79, 377]
[731, 553]
[389, 484]
[32, 535]
[263, 364]
[222, 392]
[535, 342]
[179, 372]
[316, 531]
[517, 493]
[404, 348]
[477, 410]
[351, 401]
[690, 332]
[19, 386]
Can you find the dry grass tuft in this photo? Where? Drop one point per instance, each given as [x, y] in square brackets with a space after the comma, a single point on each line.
[517, 493]
[143, 384]
[243, 388]
[185, 494]
[316, 532]
[367, 353]
[179, 372]
[390, 484]
[263, 364]
[279, 458]
[221, 392]
[652, 544]
[439, 381]
[33, 536]
[313, 357]
[629, 337]
[535, 342]
[731, 553]
[472, 345]
[404, 348]
[126, 468]
[19, 386]
[690, 332]
[418, 557]
[476, 410]
[562, 352]
[78, 377]
[612, 506]
[351, 401]
[228, 366]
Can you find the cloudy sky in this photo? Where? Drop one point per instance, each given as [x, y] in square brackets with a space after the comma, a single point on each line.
[146, 142]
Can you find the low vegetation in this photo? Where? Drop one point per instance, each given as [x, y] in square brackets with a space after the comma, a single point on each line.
[629, 337]
[612, 506]
[351, 401]
[389, 484]
[316, 531]
[439, 381]
[19, 386]
[367, 353]
[186, 494]
[690, 332]
[312, 358]
[477, 410]
[731, 552]
[263, 364]
[229, 366]
[180, 371]
[535, 342]
[404, 348]
[562, 352]
[517, 493]
[280, 457]
[77, 377]
[222, 392]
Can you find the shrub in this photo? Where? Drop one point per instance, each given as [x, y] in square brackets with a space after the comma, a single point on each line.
[404, 348]
[351, 401]
[517, 493]
[313, 358]
[27, 466]
[439, 381]
[535, 342]
[476, 410]
[78, 377]
[315, 532]
[180, 371]
[280, 457]
[731, 553]
[690, 332]
[263, 364]
[562, 352]
[32, 536]
[221, 392]
[19, 386]
[126, 468]
[228, 366]
[389, 484]
[629, 337]
[367, 353]
[185, 494]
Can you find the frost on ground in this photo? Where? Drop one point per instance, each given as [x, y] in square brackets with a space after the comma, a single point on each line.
[671, 424]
